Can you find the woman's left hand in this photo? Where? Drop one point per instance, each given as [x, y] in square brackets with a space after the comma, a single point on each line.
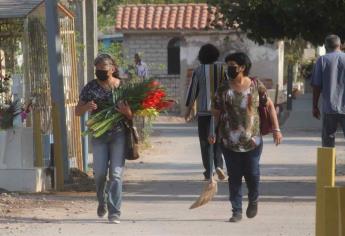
[277, 137]
[125, 109]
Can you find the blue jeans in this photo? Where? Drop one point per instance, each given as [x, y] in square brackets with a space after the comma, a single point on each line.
[108, 159]
[204, 131]
[329, 128]
[239, 165]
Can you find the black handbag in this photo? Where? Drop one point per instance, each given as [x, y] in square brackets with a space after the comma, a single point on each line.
[131, 142]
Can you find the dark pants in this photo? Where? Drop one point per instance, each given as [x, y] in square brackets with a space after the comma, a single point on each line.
[204, 129]
[241, 164]
[329, 128]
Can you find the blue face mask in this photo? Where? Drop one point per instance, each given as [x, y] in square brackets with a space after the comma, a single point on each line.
[232, 72]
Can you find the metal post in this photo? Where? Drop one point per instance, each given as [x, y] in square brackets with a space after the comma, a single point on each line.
[80, 26]
[91, 36]
[289, 87]
[57, 94]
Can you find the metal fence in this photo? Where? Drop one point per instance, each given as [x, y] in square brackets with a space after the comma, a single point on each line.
[38, 85]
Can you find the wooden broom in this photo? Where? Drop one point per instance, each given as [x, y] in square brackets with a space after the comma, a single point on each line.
[211, 188]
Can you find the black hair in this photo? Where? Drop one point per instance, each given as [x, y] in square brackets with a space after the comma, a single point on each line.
[241, 59]
[107, 59]
[104, 58]
[208, 54]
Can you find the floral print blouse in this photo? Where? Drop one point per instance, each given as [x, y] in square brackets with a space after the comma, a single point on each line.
[93, 91]
[239, 122]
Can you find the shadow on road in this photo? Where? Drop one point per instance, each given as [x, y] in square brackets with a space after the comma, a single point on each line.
[271, 191]
[188, 169]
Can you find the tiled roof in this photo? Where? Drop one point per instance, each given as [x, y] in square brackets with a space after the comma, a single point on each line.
[163, 17]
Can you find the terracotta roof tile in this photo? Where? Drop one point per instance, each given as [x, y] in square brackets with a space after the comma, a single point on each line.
[119, 16]
[133, 21]
[196, 18]
[150, 17]
[204, 17]
[126, 18]
[179, 18]
[141, 18]
[163, 17]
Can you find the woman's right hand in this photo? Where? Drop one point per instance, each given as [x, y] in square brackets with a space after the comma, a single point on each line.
[188, 114]
[211, 139]
[83, 107]
[277, 137]
[91, 106]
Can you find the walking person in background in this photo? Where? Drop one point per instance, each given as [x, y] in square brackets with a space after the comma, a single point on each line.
[141, 69]
[236, 109]
[108, 149]
[328, 79]
[205, 81]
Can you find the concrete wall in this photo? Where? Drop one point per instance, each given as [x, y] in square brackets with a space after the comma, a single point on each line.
[17, 171]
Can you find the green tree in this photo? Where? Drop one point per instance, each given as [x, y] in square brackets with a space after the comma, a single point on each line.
[268, 20]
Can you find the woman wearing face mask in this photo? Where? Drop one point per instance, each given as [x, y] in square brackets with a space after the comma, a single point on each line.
[236, 108]
[108, 150]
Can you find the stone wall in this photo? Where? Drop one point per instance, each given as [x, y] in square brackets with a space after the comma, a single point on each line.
[153, 51]
[172, 85]
[151, 47]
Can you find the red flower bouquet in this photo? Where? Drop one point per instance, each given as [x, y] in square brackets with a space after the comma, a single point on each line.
[146, 98]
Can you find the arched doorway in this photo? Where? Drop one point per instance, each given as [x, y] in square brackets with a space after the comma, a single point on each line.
[174, 56]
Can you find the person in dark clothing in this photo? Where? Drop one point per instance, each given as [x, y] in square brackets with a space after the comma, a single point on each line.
[203, 85]
[328, 80]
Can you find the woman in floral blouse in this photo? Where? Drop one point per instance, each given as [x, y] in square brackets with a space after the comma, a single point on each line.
[236, 109]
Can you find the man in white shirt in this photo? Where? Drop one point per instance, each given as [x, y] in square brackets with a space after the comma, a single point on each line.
[141, 68]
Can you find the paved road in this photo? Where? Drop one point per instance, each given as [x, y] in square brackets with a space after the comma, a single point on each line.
[161, 186]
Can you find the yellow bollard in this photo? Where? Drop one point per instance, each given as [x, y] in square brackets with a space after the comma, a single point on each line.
[325, 176]
[334, 211]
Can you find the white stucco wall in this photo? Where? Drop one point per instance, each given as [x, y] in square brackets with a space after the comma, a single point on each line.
[267, 60]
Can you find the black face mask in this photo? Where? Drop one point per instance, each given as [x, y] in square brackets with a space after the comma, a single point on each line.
[232, 72]
[102, 75]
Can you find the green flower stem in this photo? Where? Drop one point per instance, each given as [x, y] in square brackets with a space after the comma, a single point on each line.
[101, 124]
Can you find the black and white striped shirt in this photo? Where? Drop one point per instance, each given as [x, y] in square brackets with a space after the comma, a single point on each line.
[204, 83]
